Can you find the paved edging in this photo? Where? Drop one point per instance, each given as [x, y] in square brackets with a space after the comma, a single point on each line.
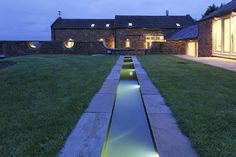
[224, 63]
[89, 134]
[168, 137]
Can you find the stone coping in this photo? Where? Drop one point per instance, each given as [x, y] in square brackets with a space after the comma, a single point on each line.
[89, 134]
[169, 139]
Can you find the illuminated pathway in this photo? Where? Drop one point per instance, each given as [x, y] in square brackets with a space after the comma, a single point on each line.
[129, 134]
[127, 118]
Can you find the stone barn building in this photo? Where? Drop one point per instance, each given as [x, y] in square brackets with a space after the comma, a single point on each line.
[122, 32]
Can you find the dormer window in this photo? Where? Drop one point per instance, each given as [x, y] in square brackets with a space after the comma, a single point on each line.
[130, 24]
[107, 25]
[92, 25]
[178, 25]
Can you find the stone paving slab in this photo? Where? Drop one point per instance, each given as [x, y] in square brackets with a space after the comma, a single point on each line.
[229, 64]
[109, 87]
[168, 137]
[155, 104]
[101, 103]
[87, 138]
[147, 87]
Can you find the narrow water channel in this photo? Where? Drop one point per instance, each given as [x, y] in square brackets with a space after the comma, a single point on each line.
[129, 134]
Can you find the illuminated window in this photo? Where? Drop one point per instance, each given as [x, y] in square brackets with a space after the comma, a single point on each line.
[92, 25]
[127, 43]
[34, 44]
[107, 25]
[217, 29]
[69, 44]
[192, 48]
[130, 24]
[233, 26]
[151, 39]
[178, 25]
[227, 35]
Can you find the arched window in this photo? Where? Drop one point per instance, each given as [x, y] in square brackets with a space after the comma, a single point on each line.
[69, 44]
[127, 43]
[34, 44]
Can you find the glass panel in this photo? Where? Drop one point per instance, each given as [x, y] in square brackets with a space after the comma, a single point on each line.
[227, 35]
[218, 35]
[233, 26]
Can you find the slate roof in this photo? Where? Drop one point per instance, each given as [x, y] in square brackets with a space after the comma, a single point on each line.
[166, 22]
[154, 21]
[82, 23]
[190, 32]
[228, 8]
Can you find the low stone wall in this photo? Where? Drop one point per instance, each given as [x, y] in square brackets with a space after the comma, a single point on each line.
[168, 47]
[18, 48]
[128, 51]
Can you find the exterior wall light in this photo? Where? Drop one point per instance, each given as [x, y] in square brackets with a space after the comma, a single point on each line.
[107, 25]
[101, 40]
[69, 44]
[131, 73]
[130, 24]
[92, 25]
[34, 44]
[178, 25]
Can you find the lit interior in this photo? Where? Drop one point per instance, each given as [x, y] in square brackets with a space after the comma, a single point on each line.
[224, 35]
[192, 48]
[127, 43]
[151, 39]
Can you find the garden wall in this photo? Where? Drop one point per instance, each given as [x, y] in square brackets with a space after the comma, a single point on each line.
[18, 48]
[168, 47]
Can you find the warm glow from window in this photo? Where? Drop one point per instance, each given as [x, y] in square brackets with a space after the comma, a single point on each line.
[192, 48]
[151, 39]
[233, 26]
[127, 43]
[92, 25]
[130, 24]
[217, 31]
[107, 25]
[227, 35]
[34, 44]
[69, 44]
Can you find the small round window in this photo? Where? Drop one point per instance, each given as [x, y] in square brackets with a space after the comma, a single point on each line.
[34, 44]
[69, 44]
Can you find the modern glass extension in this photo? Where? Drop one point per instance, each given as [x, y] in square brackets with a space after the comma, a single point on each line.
[224, 36]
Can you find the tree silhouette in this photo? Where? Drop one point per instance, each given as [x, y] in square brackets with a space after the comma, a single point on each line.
[211, 9]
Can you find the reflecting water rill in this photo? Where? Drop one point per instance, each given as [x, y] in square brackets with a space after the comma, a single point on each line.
[129, 134]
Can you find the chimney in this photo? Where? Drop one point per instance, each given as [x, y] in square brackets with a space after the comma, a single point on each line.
[167, 12]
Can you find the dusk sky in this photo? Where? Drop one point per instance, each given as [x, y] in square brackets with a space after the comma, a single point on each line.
[31, 19]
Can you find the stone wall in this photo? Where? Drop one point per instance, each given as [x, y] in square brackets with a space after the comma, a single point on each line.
[18, 48]
[168, 47]
[205, 42]
[85, 35]
[137, 36]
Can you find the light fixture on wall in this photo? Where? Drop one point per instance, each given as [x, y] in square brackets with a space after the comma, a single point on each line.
[34, 44]
[69, 44]
[178, 25]
[101, 40]
[130, 24]
[107, 25]
[93, 25]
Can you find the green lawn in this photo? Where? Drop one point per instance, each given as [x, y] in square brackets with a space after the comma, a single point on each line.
[203, 100]
[41, 99]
